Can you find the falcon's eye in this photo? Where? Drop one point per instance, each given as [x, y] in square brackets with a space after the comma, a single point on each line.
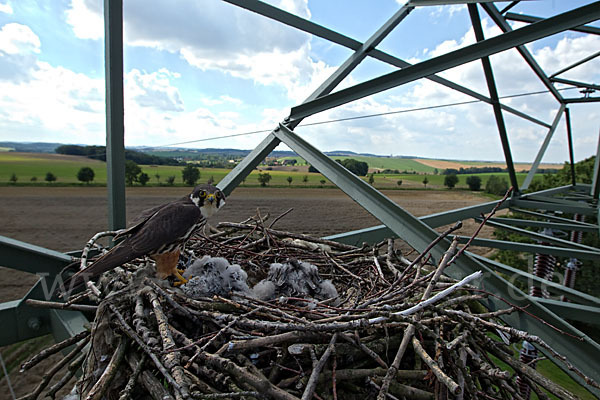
[203, 194]
[219, 195]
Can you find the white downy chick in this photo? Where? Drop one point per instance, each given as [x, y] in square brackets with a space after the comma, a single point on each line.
[214, 276]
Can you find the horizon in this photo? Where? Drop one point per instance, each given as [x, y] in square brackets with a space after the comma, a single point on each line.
[329, 153]
[189, 78]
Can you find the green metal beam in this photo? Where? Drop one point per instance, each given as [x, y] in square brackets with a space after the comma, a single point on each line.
[543, 224]
[553, 287]
[531, 248]
[30, 258]
[115, 125]
[550, 217]
[542, 150]
[572, 311]
[557, 200]
[542, 205]
[595, 188]
[576, 83]
[26, 322]
[452, 59]
[541, 237]
[244, 168]
[531, 19]
[535, 67]
[307, 26]
[576, 64]
[491, 84]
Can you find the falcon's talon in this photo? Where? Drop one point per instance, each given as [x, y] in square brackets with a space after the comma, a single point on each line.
[182, 280]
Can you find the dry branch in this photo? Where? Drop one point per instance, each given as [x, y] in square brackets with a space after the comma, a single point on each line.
[400, 325]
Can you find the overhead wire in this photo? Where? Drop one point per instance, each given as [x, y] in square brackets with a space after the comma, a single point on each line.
[356, 117]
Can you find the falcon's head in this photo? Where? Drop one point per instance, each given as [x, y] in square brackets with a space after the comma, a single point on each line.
[208, 198]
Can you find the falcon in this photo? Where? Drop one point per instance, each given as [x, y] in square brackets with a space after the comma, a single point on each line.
[160, 233]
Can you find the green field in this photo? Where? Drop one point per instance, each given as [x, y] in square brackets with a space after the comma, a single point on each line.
[401, 164]
[28, 165]
[437, 181]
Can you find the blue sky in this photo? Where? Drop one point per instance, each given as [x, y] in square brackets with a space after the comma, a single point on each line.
[202, 69]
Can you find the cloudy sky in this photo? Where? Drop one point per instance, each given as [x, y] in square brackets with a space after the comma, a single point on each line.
[200, 69]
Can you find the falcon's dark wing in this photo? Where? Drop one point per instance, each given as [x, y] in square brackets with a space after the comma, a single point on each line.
[169, 224]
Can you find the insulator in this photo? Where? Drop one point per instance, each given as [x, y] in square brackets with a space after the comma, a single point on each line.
[570, 273]
[543, 267]
[526, 355]
[576, 236]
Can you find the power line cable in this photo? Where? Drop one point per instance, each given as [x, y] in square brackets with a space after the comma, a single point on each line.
[356, 117]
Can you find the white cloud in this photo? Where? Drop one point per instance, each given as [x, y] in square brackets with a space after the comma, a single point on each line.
[18, 39]
[153, 90]
[86, 19]
[216, 36]
[6, 8]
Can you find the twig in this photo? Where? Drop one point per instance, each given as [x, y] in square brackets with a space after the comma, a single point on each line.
[55, 348]
[132, 335]
[481, 225]
[60, 306]
[442, 377]
[52, 371]
[314, 376]
[90, 243]
[102, 384]
[126, 392]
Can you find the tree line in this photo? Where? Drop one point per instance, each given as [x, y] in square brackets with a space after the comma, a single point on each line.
[99, 153]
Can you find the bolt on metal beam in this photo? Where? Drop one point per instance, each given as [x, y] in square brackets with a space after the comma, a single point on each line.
[576, 83]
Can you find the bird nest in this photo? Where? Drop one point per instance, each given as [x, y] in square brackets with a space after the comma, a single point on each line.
[272, 314]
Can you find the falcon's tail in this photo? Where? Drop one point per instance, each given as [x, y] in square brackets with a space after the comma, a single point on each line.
[115, 257]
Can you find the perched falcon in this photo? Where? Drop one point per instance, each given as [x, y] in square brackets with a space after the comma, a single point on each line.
[159, 233]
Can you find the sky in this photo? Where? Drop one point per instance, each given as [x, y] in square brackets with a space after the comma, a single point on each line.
[196, 70]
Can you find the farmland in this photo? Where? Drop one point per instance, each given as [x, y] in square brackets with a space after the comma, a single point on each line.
[26, 166]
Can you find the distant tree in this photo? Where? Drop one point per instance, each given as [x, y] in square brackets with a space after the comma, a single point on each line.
[50, 177]
[450, 181]
[474, 183]
[171, 180]
[143, 178]
[323, 181]
[436, 171]
[399, 182]
[305, 179]
[157, 176]
[85, 175]
[496, 185]
[33, 179]
[211, 180]
[13, 178]
[132, 170]
[289, 180]
[190, 174]
[371, 179]
[425, 181]
[359, 168]
[264, 178]
[312, 169]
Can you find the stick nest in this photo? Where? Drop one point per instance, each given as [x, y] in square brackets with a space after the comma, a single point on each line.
[150, 340]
